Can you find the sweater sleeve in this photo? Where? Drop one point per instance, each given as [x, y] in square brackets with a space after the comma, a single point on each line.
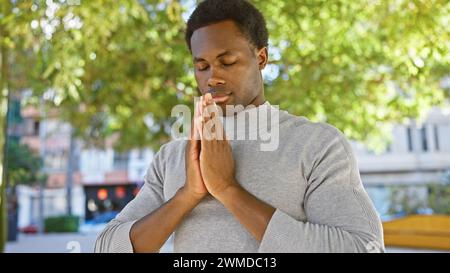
[116, 235]
[340, 217]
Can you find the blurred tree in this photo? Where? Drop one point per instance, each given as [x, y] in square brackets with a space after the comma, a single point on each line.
[359, 65]
[439, 198]
[23, 165]
[406, 200]
[439, 195]
[3, 119]
[4, 93]
[15, 41]
[108, 66]
[355, 64]
[113, 67]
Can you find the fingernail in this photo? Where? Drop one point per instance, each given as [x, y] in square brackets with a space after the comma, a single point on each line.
[208, 97]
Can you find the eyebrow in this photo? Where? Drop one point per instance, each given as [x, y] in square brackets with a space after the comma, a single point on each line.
[227, 52]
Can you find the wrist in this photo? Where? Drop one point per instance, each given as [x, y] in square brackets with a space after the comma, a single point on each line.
[228, 193]
[189, 196]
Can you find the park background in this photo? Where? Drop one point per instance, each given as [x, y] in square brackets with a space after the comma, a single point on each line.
[87, 89]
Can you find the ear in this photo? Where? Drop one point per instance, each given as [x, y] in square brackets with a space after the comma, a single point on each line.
[263, 57]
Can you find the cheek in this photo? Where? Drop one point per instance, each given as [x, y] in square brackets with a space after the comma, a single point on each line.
[197, 77]
[251, 82]
[242, 76]
[201, 80]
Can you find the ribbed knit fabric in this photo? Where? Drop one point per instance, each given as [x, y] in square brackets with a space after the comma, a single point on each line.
[311, 178]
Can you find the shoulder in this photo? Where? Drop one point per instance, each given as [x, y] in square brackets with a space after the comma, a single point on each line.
[315, 139]
[304, 128]
[173, 145]
[171, 149]
[169, 154]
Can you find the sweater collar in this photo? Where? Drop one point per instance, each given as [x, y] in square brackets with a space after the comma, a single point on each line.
[252, 120]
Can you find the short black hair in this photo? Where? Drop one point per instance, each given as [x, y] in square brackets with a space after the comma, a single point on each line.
[247, 17]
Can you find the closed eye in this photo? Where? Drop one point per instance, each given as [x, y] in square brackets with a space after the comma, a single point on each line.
[228, 64]
[203, 68]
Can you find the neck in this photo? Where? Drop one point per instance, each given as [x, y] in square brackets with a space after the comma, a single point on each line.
[259, 99]
[250, 120]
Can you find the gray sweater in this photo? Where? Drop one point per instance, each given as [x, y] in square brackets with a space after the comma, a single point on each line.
[311, 178]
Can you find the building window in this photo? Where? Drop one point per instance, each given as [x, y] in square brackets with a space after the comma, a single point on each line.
[140, 155]
[35, 128]
[409, 136]
[120, 160]
[423, 134]
[141, 172]
[56, 160]
[389, 148]
[436, 137]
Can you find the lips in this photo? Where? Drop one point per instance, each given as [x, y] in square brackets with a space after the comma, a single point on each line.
[221, 98]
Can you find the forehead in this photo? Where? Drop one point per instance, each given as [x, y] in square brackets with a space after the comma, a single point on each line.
[218, 37]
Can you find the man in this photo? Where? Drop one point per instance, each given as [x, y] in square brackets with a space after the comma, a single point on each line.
[230, 195]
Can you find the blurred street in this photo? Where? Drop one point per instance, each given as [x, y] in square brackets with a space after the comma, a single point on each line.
[60, 243]
[84, 243]
[91, 93]
[52, 243]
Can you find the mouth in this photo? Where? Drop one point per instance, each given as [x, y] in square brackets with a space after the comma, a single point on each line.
[221, 98]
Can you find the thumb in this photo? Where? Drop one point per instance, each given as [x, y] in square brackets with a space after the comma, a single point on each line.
[194, 137]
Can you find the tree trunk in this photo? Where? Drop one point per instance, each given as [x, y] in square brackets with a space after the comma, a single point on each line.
[4, 92]
[70, 169]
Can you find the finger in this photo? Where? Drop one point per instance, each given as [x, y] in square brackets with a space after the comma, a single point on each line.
[203, 108]
[196, 133]
[198, 108]
[207, 129]
[218, 128]
[212, 110]
[194, 140]
[198, 128]
[202, 111]
[208, 99]
[208, 105]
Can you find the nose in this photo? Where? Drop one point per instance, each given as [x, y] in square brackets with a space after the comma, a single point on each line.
[214, 80]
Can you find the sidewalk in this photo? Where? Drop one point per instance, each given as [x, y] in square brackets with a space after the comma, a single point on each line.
[84, 243]
[52, 243]
[59, 243]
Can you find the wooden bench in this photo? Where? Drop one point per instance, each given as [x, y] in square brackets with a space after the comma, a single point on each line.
[418, 231]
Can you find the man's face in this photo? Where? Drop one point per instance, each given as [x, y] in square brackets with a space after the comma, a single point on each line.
[225, 62]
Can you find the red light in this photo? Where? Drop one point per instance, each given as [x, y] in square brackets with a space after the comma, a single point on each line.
[120, 192]
[102, 194]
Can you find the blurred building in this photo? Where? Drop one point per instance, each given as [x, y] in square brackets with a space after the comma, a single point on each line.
[111, 179]
[418, 154]
[56, 135]
[102, 180]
